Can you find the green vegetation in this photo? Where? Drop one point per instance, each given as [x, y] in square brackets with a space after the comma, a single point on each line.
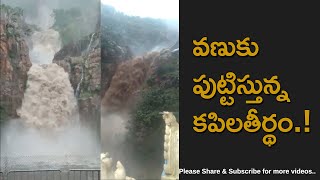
[13, 13]
[12, 54]
[67, 22]
[121, 32]
[3, 115]
[75, 23]
[161, 94]
[73, 20]
[15, 25]
[28, 6]
[133, 30]
[146, 128]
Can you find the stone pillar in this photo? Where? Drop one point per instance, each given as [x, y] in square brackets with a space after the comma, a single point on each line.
[171, 147]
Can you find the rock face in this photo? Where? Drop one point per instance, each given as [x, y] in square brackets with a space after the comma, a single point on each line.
[125, 82]
[112, 55]
[73, 57]
[14, 61]
[130, 77]
[82, 61]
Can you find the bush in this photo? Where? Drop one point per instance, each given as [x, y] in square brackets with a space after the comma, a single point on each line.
[3, 115]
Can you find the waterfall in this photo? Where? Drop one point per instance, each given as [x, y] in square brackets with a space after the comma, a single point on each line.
[45, 42]
[47, 133]
[44, 45]
[86, 56]
[48, 101]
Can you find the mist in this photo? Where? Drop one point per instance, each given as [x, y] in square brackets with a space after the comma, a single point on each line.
[142, 34]
[38, 12]
[74, 140]
[113, 132]
[30, 148]
[147, 8]
[46, 40]
[29, 6]
[114, 141]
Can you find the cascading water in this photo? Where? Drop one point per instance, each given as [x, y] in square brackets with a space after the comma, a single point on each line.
[44, 44]
[48, 100]
[86, 56]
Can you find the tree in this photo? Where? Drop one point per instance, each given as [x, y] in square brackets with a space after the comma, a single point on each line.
[146, 127]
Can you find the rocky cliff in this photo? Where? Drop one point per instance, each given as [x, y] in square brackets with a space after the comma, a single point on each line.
[14, 60]
[81, 60]
[130, 78]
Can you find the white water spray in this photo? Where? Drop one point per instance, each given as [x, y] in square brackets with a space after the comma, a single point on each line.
[44, 46]
[45, 42]
[48, 100]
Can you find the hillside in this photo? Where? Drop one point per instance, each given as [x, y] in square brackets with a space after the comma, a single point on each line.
[140, 78]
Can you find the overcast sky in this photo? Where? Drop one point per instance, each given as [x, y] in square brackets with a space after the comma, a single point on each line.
[164, 9]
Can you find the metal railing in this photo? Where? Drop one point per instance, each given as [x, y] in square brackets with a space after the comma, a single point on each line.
[34, 175]
[73, 174]
[18, 162]
[84, 174]
[68, 167]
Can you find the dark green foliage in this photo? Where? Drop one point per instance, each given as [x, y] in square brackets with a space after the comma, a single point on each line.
[76, 20]
[146, 128]
[3, 115]
[134, 30]
[12, 54]
[155, 100]
[70, 24]
[161, 94]
[130, 33]
[28, 6]
[15, 25]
